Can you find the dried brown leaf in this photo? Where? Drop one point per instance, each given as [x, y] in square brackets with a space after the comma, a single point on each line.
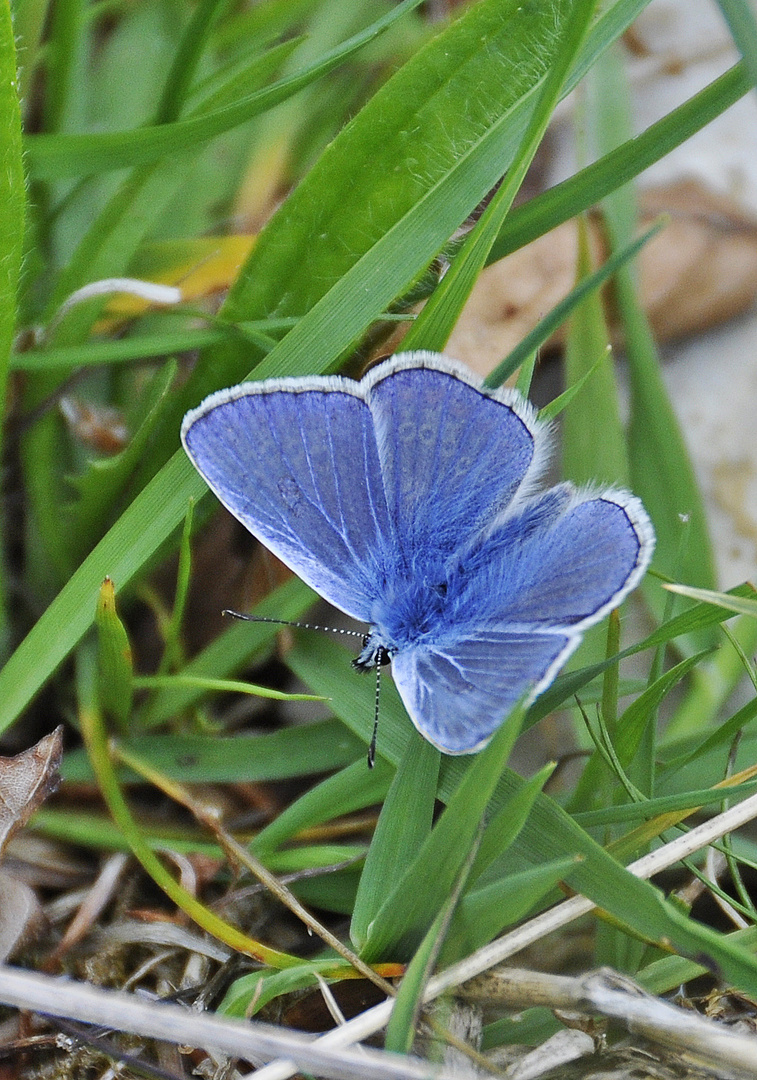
[20, 914]
[26, 780]
[698, 272]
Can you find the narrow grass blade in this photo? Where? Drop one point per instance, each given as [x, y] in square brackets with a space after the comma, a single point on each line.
[402, 1027]
[634, 720]
[353, 788]
[102, 484]
[12, 213]
[248, 995]
[186, 61]
[741, 605]
[560, 312]
[739, 14]
[214, 759]
[503, 827]
[228, 653]
[593, 444]
[686, 801]
[57, 156]
[410, 906]
[114, 660]
[486, 911]
[173, 650]
[403, 827]
[592, 184]
[437, 319]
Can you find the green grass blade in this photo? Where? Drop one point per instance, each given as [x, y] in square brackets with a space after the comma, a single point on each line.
[132, 212]
[119, 351]
[403, 1023]
[739, 14]
[353, 788]
[278, 755]
[104, 481]
[643, 709]
[740, 605]
[661, 471]
[403, 826]
[592, 184]
[29, 19]
[713, 682]
[115, 666]
[535, 338]
[663, 804]
[95, 737]
[64, 53]
[58, 156]
[230, 652]
[215, 759]
[248, 995]
[437, 319]
[411, 905]
[724, 736]
[565, 686]
[486, 911]
[188, 55]
[593, 450]
[226, 89]
[12, 212]
[504, 826]
[12, 197]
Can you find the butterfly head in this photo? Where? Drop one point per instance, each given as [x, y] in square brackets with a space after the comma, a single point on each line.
[375, 653]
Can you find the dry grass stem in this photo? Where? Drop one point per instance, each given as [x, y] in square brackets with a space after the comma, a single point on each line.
[249, 1039]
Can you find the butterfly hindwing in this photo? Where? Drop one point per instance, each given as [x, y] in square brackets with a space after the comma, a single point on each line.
[459, 695]
[568, 572]
[525, 596]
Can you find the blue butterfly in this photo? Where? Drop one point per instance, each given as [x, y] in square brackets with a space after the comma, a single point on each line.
[410, 500]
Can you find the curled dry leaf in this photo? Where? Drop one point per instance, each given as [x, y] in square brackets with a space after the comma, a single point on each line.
[702, 268]
[25, 782]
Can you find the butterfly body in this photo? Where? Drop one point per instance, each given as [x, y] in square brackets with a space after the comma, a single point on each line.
[410, 500]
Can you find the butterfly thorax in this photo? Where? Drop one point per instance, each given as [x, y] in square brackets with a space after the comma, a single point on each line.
[411, 610]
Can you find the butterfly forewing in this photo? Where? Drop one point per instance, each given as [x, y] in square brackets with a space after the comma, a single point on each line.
[452, 456]
[299, 467]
